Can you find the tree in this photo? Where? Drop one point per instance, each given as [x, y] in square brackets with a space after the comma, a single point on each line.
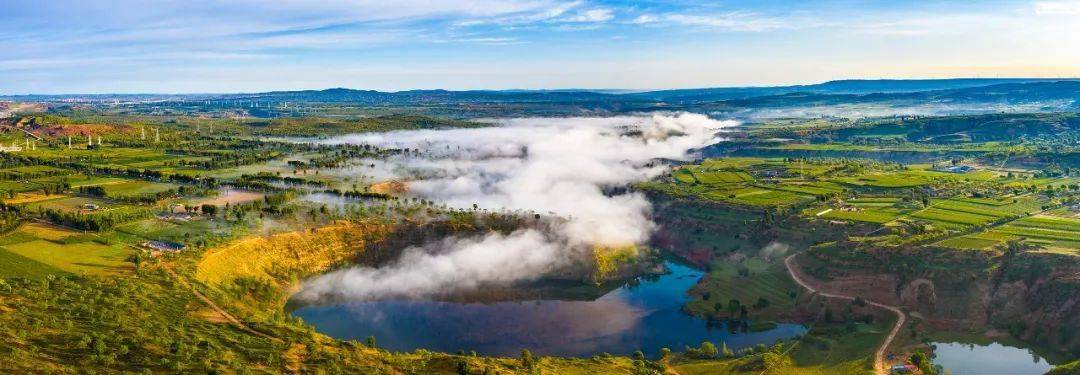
[725, 351]
[733, 307]
[371, 341]
[708, 349]
[527, 360]
[638, 355]
[208, 210]
[922, 361]
[664, 353]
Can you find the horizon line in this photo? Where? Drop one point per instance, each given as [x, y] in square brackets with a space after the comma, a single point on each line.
[578, 89]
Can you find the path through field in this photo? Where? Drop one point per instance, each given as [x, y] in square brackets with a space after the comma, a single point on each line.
[879, 355]
[232, 319]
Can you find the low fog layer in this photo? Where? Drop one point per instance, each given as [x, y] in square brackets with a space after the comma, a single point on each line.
[553, 166]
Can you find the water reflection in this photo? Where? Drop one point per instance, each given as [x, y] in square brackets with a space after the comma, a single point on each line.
[642, 315]
[961, 359]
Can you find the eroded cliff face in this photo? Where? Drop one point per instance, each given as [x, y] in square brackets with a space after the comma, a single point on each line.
[1034, 296]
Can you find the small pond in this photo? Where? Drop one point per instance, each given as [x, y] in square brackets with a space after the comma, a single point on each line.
[995, 358]
[645, 315]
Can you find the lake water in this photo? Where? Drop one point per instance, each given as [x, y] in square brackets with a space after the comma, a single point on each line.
[645, 315]
[993, 359]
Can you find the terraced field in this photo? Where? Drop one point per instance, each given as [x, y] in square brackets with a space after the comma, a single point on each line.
[769, 281]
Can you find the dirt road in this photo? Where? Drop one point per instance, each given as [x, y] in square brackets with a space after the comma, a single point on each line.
[879, 356]
[232, 319]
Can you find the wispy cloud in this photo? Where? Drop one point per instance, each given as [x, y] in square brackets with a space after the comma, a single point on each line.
[592, 15]
[1057, 8]
[731, 21]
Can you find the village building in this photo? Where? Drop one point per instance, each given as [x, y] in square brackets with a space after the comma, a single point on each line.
[164, 246]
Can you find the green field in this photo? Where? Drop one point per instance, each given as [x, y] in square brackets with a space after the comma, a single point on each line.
[136, 188]
[760, 279]
[60, 251]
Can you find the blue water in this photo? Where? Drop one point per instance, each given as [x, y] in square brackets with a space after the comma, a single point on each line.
[993, 359]
[645, 315]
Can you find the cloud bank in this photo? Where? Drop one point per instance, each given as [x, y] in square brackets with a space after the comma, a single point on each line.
[560, 167]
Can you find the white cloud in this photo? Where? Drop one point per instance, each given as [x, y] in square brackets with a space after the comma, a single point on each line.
[1057, 8]
[544, 165]
[732, 21]
[592, 15]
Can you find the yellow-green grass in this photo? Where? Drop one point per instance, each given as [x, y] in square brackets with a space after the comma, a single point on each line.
[31, 197]
[273, 166]
[815, 188]
[136, 187]
[886, 180]
[968, 242]
[229, 196]
[179, 232]
[66, 203]
[722, 163]
[877, 215]
[1052, 232]
[952, 219]
[110, 156]
[264, 257]
[82, 180]
[45, 231]
[979, 175]
[709, 367]
[54, 247]
[832, 349]
[825, 349]
[15, 265]
[767, 280]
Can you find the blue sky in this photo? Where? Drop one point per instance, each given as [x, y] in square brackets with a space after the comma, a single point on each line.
[66, 46]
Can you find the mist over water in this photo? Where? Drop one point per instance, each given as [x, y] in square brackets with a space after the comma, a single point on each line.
[553, 166]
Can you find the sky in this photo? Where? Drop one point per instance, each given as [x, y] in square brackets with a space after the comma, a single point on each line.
[196, 46]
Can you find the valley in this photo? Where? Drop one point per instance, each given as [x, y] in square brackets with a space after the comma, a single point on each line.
[176, 236]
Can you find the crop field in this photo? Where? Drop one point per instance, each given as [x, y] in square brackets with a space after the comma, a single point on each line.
[871, 214]
[31, 197]
[136, 188]
[1049, 231]
[60, 251]
[950, 218]
[230, 196]
[968, 242]
[68, 203]
[886, 180]
[767, 197]
[36, 184]
[115, 156]
[179, 232]
[766, 280]
[812, 188]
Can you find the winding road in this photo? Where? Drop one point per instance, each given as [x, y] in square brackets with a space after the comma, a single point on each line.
[879, 356]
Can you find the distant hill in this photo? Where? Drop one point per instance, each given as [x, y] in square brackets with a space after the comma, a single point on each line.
[850, 87]
[936, 96]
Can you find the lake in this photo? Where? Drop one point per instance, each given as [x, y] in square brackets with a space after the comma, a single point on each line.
[992, 359]
[644, 315]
